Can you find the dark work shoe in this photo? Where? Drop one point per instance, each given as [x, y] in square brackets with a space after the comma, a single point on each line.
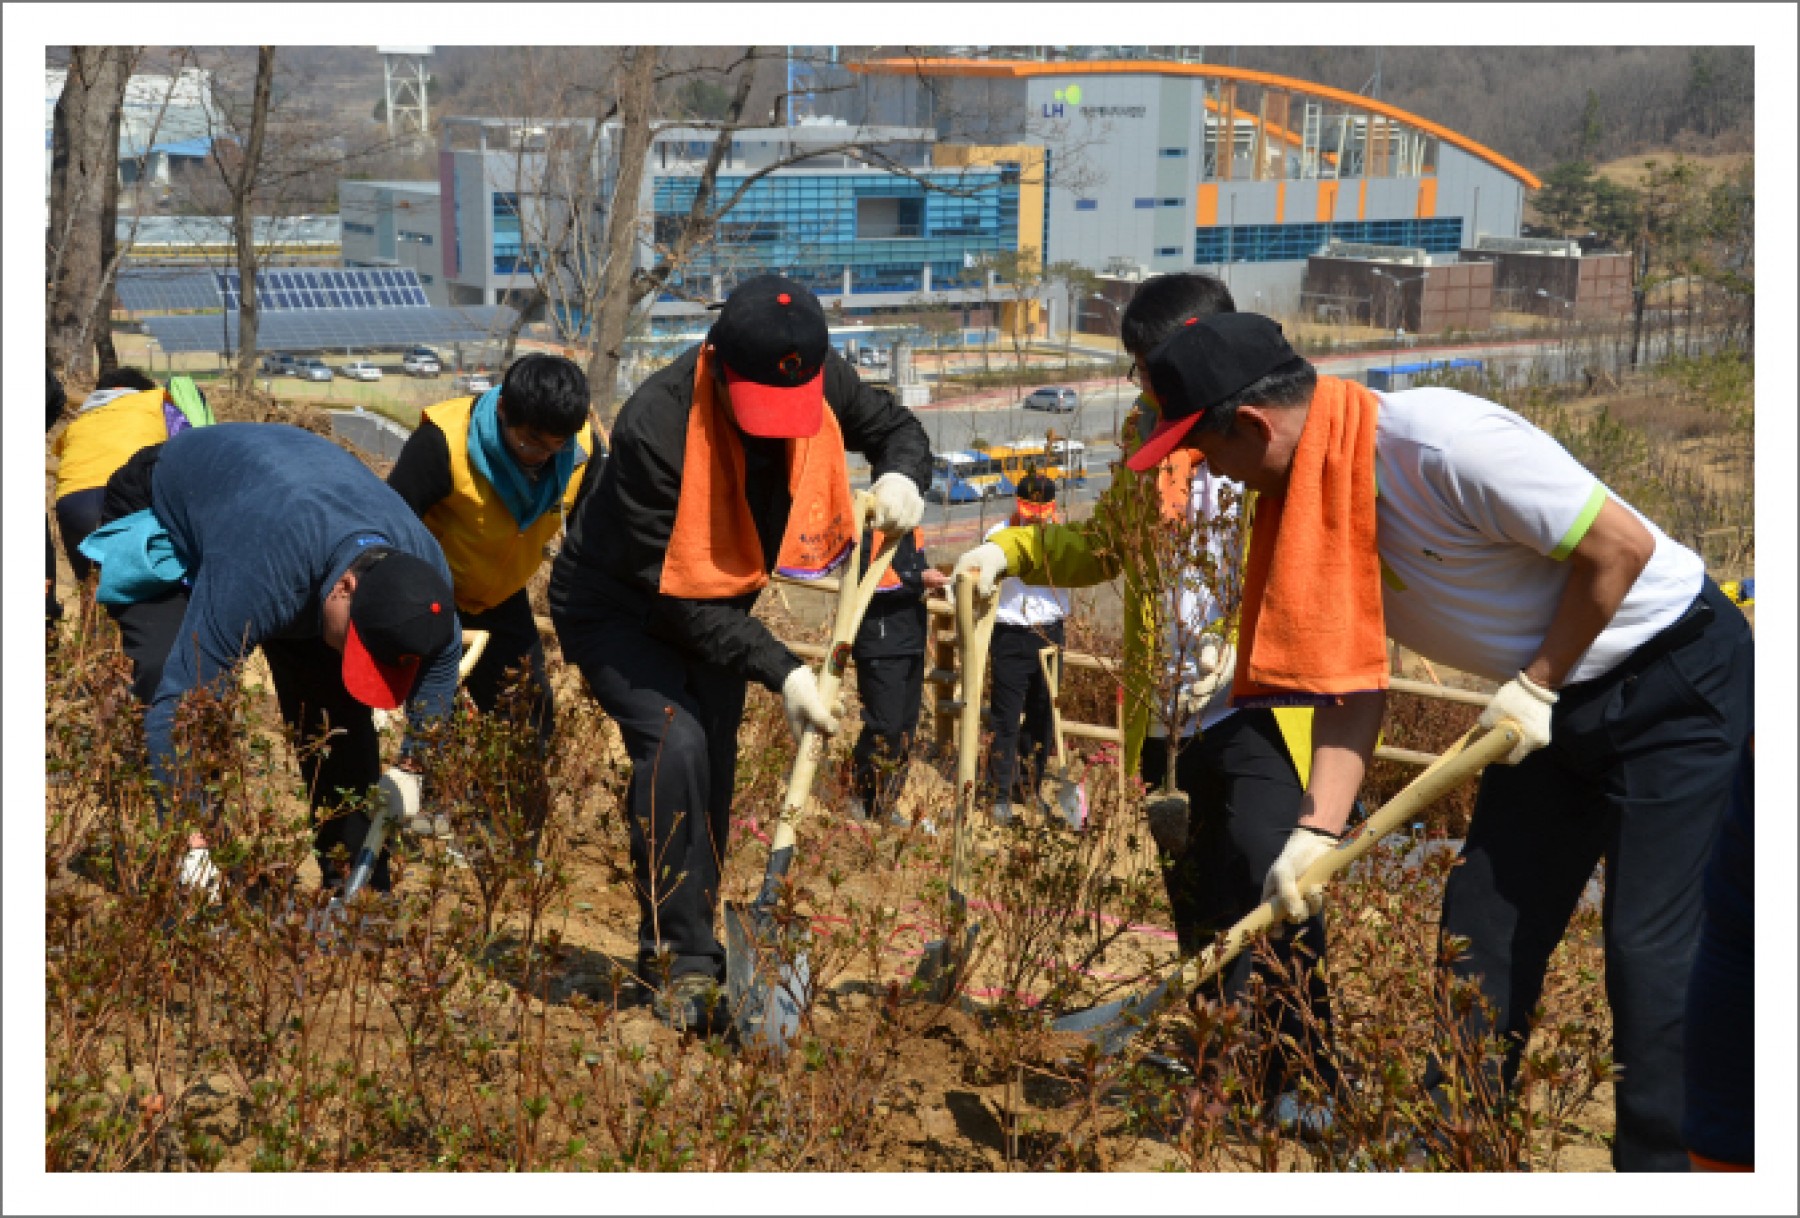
[693, 1002]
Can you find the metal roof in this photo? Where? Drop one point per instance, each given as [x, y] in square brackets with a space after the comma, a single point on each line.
[1154, 67]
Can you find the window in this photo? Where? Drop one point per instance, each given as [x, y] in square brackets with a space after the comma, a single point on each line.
[1295, 242]
[1169, 202]
[1171, 152]
[366, 230]
[887, 219]
[1143, 204]
[421, 238]
[1087, 205]
[1169, 251]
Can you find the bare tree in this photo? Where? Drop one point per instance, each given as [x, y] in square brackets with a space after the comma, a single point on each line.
[84, 172]
[243, 187]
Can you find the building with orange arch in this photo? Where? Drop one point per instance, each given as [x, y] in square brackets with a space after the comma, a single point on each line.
[1157, 165]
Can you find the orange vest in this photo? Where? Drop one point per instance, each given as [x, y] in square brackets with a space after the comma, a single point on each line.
[490, 557]
[889, 581]
[714, 552]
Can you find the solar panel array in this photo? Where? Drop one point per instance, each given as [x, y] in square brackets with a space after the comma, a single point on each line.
[166, 290]
[329, 289]
[327, 329]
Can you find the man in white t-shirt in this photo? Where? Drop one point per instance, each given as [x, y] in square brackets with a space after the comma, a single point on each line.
[1026, 621]
[1628, 669]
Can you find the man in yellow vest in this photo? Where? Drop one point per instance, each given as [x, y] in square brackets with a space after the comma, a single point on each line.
[125, 412]
[727, 464]
[493, 477]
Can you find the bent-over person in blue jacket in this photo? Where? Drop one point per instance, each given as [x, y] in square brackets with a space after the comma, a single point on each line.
[286, 542]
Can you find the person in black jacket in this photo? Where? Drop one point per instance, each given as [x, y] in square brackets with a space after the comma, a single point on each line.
[890, 656]
[724, 465]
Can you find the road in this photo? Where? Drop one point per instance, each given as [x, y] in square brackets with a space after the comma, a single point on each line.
[996, 417]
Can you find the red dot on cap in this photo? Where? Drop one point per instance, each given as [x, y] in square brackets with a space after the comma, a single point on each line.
[1191, 321]
[784, 298]
[436, 608]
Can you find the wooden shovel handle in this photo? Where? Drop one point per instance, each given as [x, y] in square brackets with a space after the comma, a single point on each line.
[853, 602]
[474, 643]
[1477, 749]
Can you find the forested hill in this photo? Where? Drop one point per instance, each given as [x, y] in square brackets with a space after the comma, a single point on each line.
[1542, 106]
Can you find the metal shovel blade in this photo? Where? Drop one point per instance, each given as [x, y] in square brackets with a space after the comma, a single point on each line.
[942, 964]
[766, 996]
[1071, 800]
[1112, 1025]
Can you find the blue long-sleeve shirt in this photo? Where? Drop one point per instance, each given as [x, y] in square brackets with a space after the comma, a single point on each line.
[266, 518]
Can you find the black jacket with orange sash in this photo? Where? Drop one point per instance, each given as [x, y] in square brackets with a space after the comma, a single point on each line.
[895, 622]
[612, 558]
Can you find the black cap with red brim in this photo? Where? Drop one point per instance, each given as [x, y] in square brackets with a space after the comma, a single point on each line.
[1206, 361]
[401, 617]
[772, 339]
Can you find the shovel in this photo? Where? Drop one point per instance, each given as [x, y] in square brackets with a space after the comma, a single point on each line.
[1112, 1026]
[942, 964]
[391, 808]
[1071, 796]
[767, 1009]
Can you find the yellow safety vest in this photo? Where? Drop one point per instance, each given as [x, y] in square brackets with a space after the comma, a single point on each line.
[96, 443]
[490, 557]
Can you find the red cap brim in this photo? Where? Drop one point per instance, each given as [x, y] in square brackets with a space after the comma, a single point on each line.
[372, 683]
[1164, 439]
[778, 412]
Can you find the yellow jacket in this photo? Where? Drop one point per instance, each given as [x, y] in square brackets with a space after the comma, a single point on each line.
[98, 441]
[490, 557]
[1068, 556]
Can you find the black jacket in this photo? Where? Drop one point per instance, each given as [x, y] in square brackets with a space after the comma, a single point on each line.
[611, 560]
[895, 622]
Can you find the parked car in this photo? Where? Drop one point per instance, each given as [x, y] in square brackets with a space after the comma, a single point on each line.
[312, 370]
[280, 365]
[1060, 400]
[421, 361]
[361, 370]
[472, 382]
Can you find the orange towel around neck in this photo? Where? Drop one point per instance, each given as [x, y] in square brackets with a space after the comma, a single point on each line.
[1311, 627]
[713, 550]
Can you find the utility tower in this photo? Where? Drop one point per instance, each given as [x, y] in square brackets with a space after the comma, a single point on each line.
[407, 106]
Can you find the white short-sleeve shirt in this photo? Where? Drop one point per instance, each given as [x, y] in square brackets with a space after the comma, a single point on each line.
[1477, 511]
[1022, 604]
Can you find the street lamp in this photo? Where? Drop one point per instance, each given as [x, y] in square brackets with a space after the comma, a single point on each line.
[1568, 311]
[1397, 288]
[1118, 325]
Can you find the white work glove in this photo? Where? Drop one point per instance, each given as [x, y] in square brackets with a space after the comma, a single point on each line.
[804, 706]
[1214, 668]
[988, 561]
[197, 869]
[1528, 704]
[898, 504]
[1304, 846]
[403, 792]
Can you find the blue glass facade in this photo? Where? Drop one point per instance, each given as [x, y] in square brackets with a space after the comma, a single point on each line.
[1296, 242]
[882, 228]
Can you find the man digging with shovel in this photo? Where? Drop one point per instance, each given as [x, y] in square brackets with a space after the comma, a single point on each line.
[726, 465]
[1469, 536]
[1239, 774]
